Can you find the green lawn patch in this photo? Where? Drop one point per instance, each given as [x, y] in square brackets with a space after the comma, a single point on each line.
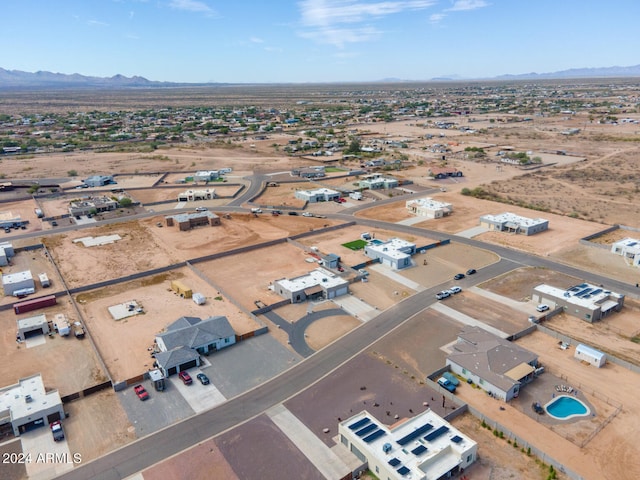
[355, 245]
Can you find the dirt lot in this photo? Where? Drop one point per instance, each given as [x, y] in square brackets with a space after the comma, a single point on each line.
[124, 344]
[135, 252]
[54, 359]
[170, 193]
[96, 425]
[519, 283]
[23, 209]
[606, 455]
[489, 312]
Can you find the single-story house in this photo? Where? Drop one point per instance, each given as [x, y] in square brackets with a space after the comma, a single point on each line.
[377, 181]
[629, 248]
[428, 207]
[27, 405]
[14, 283]
[184, 340]
[318, 283]
[512, 223]
[586, 301]
[99, 180]
[496, 365]
[395, 252]
[32, 326]
[92, 205]
[206, 175]
[187, 221]
[317, 195]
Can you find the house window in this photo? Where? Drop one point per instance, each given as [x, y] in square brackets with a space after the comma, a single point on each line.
[377, 469]
[469, 458]
[227, 340]
[464, 371]
[481, 382]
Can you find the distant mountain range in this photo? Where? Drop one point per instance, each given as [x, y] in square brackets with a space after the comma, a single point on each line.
[40, 79]
[633, 71]
[43, 79]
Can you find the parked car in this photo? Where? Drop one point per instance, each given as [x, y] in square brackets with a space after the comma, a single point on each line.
[443, 382]
[307, 214]
[204, 380]
[141, 392]
[57, 431]
[471, 271]
[185, 377]
[458, 276]
[54, 224]
[293, 213]
[455, 290]
[542, 307]
[201, 209]
[442, 295]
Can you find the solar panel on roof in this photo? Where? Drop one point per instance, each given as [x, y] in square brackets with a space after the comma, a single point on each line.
[456, 439]
[596, 292]
[393, 462]
[436, 433]
[369, 428]
[415, 434]
[359, 423]
[581, 292]
[403, 470]
[377, 434]
[419, 449]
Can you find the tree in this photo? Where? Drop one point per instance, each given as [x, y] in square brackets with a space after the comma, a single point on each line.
[354, 146]
[125, 202]
[72, 173]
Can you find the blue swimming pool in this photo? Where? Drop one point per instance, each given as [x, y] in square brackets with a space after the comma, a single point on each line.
[375, 241]
[565, 407]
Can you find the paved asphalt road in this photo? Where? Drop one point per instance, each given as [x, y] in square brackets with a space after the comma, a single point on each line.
[160, 445]
[164, 443]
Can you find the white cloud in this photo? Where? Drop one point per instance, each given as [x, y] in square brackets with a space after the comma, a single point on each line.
[256, 40]
[463, 5]
[192, 6]
[97, 23]
[338, 22]
[436, 17]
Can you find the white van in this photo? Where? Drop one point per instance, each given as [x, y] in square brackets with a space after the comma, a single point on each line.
[256, 210]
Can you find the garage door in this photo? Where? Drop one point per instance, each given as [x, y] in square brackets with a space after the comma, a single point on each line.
[34, 333]
[54, 417]
[188, 365]
[172, 371]
[31, 425]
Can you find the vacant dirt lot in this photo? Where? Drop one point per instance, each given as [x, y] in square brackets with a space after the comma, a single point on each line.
[124, 344]
[66, 363]
[135, 252]
[518, 284]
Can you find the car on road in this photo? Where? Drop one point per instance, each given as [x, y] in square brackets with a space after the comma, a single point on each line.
[276, 212]
[307, 214]
[201, 209]
[458, 276]
[471, 271]
[442, 295]
[543, 307]
[141, 392]
[57, 431]
[455, 290]
[185, 377]
[293, 213]
[204, 380]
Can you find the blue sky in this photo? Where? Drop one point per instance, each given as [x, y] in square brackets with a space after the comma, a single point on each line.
[250, 41]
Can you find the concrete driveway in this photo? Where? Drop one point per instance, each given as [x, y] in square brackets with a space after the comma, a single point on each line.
[199, 397]
[45, 458]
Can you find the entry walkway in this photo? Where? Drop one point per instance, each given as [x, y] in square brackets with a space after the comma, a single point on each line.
[396, 277]
[322, 457]
[466, 319]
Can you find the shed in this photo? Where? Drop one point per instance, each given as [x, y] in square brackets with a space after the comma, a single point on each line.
[44, 280]
[590, 355]
[32, 326]
[181, 289]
